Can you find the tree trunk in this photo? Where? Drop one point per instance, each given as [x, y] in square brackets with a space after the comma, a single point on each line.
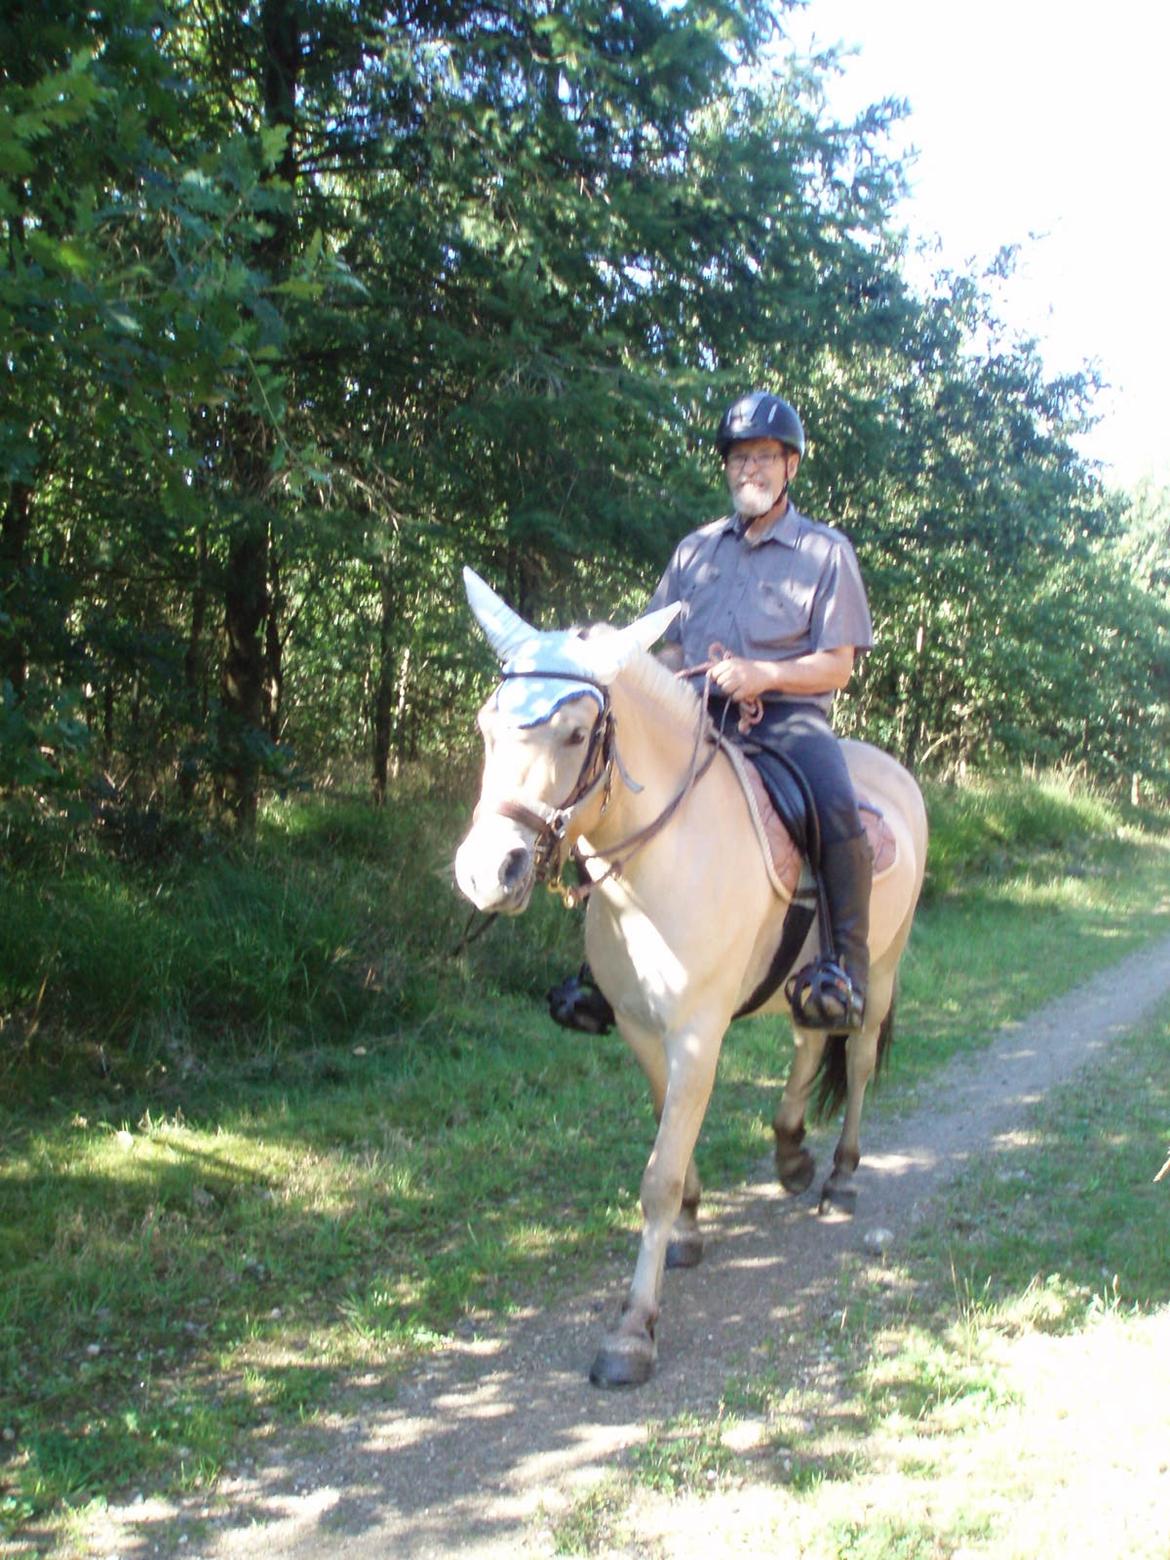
[246, 701]
[195, 675]
[243, 690]
[407, 729]
[384, 692]
[274, 652]
[15, 526]
[108, 723]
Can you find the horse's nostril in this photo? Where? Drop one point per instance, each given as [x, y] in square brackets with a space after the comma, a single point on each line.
[513, 867]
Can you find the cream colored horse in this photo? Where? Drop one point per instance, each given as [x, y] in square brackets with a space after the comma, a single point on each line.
[589, 742]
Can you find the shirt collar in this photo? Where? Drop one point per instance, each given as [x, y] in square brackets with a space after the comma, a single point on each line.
[785, 530]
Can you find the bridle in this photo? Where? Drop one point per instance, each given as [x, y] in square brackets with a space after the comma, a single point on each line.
[551, 825]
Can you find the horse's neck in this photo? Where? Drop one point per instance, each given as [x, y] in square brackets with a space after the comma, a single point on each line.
[655, 734]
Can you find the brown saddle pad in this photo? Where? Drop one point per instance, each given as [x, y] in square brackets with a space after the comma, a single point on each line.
[786, 859]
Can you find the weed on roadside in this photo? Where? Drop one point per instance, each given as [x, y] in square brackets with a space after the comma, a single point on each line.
[684, 1455]
[592, 1524]
[899, 1538]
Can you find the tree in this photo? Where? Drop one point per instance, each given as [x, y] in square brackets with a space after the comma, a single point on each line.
[305, 305]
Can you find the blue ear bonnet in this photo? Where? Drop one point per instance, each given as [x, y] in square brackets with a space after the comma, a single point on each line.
[525, 698]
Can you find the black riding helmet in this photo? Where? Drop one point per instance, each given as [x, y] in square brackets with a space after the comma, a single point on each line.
[759, 415]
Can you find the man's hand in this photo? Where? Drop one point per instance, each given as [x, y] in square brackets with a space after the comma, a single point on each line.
[819, 672]
[740, 680]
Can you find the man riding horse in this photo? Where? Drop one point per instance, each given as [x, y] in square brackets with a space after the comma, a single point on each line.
[778, 601]
[594, 752]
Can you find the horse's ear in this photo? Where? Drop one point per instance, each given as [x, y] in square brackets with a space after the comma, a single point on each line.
[504, 629]
[647, 631]
[615, 650]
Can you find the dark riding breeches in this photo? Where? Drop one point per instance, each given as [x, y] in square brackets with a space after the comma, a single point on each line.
[801, 734]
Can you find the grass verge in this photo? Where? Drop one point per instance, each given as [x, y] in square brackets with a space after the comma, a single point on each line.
[300, 1140]
[1000, 1387]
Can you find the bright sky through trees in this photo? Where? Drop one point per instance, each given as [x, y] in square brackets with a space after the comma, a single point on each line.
[1041, 123]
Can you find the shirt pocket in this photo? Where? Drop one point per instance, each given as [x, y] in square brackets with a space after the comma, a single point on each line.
[701, 581]
[777, 618]
[700, 594]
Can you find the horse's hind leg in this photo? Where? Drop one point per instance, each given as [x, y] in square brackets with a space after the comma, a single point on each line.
[839, 1194]
[794, 1164]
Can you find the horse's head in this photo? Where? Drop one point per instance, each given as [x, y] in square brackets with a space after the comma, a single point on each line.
[547, 732]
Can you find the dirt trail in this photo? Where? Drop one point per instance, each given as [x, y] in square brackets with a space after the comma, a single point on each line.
[478, 1441]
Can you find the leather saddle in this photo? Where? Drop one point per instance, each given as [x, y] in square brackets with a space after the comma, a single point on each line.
[779, 814]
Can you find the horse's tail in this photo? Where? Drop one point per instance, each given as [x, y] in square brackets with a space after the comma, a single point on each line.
[832, 1079]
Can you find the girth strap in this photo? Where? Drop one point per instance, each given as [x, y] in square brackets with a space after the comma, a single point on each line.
[796, 927]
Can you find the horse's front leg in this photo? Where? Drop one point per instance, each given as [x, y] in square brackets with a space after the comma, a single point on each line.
[685, 1246]
[686, 1074]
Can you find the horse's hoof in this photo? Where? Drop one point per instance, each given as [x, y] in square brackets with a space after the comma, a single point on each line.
[623, 1362]
[796, 1171]
[684, 1251]
[839, 1200]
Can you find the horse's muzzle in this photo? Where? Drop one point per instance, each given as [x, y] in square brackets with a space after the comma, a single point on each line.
[496, 870]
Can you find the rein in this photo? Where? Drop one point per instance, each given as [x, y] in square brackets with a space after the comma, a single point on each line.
[625, 850]
[751, 713]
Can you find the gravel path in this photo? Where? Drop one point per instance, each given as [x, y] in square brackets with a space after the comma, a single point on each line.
[481, 1440]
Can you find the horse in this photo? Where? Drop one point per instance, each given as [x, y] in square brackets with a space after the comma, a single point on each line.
[592, 745]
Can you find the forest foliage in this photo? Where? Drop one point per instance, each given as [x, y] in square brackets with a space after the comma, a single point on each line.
[306, 303]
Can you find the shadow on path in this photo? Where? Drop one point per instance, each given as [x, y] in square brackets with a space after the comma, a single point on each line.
[479, 1440]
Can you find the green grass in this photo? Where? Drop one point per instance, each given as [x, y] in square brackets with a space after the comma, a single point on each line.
[995, 1386]
[337, 924]
[1052, 1238]
[1031, 887]
[263, 1132]
[1073, 1218]
[997, 828]
[593, 1523]
[684, 1454]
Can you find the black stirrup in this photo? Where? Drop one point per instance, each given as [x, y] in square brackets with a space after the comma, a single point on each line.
[822, 996]
[577, 1003]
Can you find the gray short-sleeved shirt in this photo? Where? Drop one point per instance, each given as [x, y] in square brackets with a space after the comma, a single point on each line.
[796, 590]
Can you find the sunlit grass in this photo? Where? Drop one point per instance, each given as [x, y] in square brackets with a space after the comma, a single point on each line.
[946, 1404]
[1027, 1308]
[211, 1208]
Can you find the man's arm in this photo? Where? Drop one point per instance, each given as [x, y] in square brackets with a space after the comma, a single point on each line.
[822, 671]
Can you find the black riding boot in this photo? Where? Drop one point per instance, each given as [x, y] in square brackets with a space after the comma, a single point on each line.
[847, 870]
[830, 994]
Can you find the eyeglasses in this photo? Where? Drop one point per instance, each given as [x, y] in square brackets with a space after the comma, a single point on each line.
[740, 460]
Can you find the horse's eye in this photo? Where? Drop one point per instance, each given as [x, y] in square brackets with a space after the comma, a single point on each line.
[575, 738]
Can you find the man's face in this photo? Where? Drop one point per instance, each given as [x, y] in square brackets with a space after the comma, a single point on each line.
[757, 470]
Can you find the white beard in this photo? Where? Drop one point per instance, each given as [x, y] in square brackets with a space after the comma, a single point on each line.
[752, 499]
